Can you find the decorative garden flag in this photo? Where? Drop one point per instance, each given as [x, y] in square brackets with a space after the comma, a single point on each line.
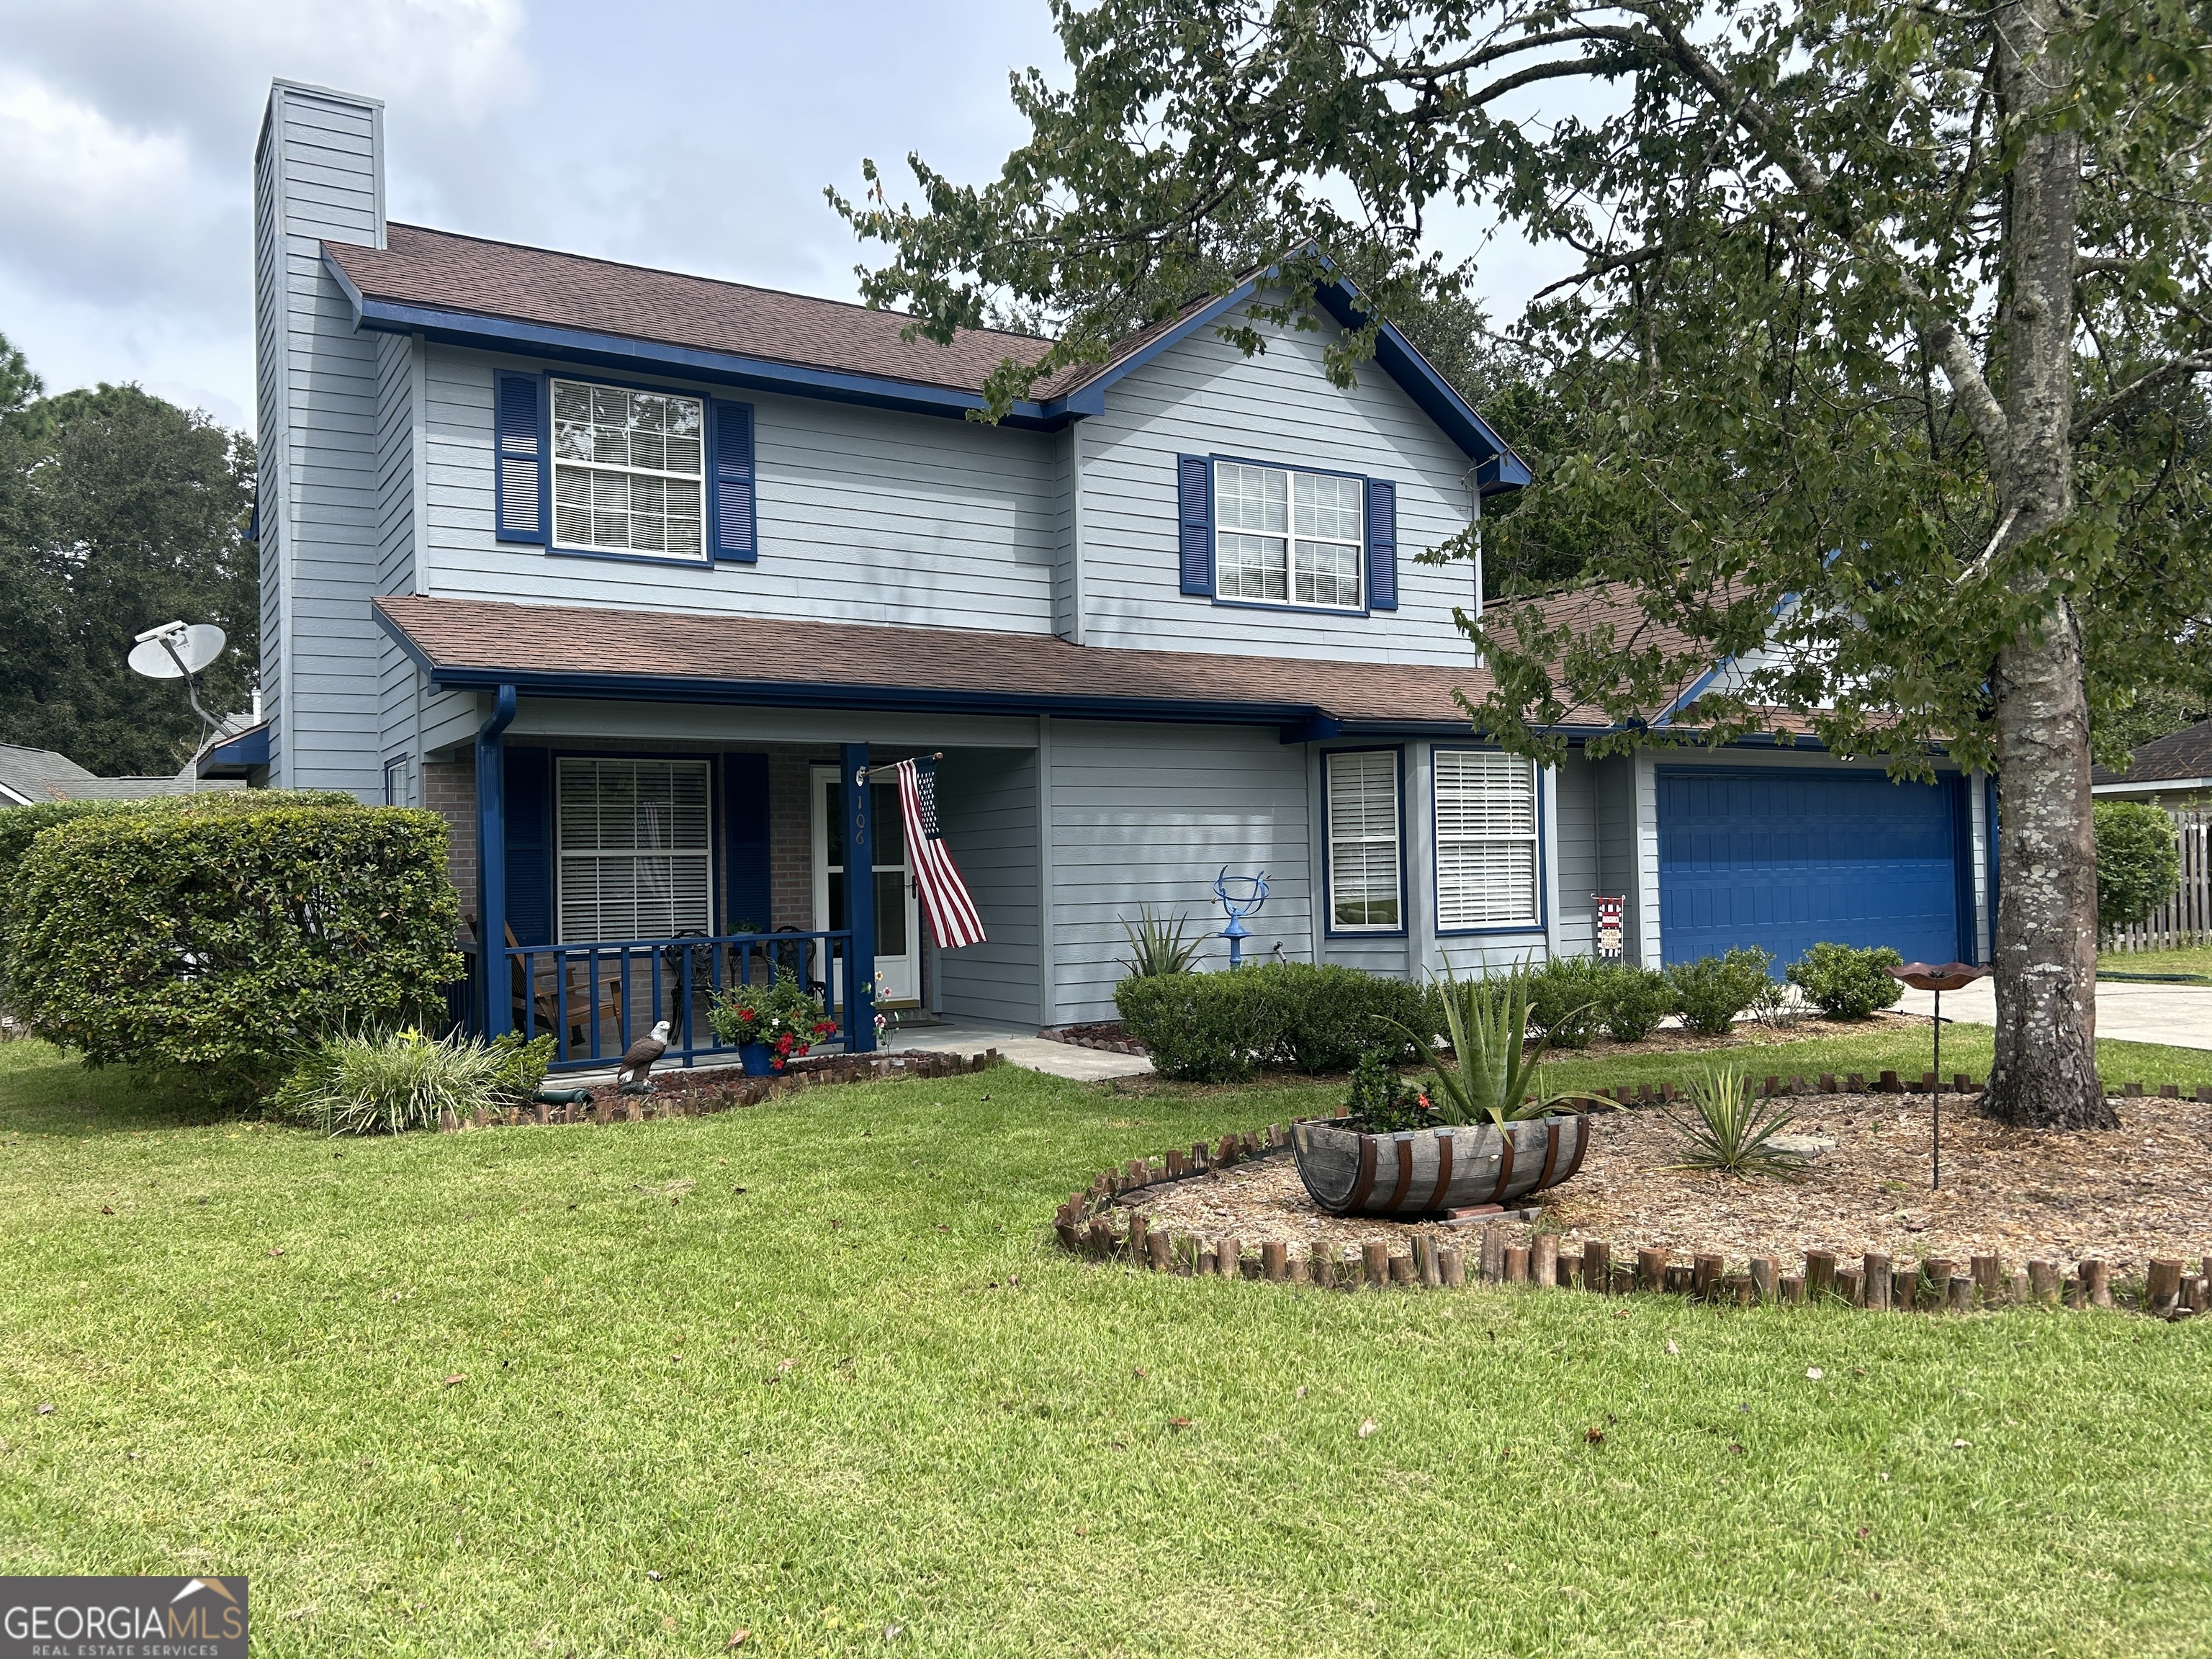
[952, 915]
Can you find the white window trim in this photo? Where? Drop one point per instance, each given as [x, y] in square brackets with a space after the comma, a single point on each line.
[563, 854]
[556, 462]
[1332, 840]
[1290, 539]
[1533, 837]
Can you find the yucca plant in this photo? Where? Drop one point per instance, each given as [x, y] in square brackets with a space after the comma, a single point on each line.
[1157, 945]
[1729, 1131]
[367, 1085]
[1498, 1078]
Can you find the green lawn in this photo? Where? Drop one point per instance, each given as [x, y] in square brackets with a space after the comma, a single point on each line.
[895, 1405]
[2197, 961]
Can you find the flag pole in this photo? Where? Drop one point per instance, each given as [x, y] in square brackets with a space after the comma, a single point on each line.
[861, 777]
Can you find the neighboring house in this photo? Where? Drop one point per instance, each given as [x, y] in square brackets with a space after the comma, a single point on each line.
[629, 573]
[29, 776]
[2175, 770]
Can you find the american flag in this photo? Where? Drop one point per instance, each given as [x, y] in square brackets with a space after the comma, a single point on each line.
[952, 914]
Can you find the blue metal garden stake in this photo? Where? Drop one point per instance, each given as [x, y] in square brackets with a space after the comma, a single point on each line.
[1250, 893]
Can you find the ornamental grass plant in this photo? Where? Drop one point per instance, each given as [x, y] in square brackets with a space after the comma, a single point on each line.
[366, 1084]
[1728, 1131]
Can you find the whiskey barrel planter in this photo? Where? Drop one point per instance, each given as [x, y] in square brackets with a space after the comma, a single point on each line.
[1419, 1172]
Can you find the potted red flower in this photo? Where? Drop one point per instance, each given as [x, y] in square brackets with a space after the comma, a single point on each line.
[769, 1025]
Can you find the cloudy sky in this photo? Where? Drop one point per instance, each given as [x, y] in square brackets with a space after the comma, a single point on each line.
[694, 136]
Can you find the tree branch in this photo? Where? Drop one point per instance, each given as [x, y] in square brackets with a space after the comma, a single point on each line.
[2197, 362]
[1601, 266]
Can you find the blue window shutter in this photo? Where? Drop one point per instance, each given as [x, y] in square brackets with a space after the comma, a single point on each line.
[1382, 544]
[521, 459]
[1194, 521]
[745, 854]
[734, 537]
[530, 845]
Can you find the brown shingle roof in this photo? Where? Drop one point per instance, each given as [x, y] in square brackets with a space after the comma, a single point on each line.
[467, 274]
[2186, 754]
[865, 666]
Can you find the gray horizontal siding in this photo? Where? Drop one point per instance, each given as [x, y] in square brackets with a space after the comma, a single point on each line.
[1148, 814]
[1204, 396]
[987, 807]
[863, 516]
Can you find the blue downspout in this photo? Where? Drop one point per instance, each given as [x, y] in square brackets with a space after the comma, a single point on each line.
[859, 896]
[491, 865]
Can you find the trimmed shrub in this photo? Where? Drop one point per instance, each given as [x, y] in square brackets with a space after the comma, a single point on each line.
[1203, 1028]
[1636, 1000]
[21, 825]
[1711, 992]
[2138, 862]
[1327, 1017]
[227, 943]
[1567, 999]
[1845, 982]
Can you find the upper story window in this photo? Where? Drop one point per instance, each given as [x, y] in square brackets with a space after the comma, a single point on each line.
[1487, 864]
[1283, 537]
[627, 471]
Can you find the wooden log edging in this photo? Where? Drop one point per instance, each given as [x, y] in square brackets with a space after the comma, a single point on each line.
[705, 1089]
[1100, 1224]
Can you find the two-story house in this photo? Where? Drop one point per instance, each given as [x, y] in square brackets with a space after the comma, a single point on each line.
[633, 575]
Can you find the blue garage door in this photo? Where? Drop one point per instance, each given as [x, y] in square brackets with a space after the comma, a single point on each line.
[1785, 857]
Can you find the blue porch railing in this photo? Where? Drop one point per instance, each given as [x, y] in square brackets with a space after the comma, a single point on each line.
[595, 998]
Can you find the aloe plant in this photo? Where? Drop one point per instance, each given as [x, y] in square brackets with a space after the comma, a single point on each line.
[1497, 1078]
[1157, 945]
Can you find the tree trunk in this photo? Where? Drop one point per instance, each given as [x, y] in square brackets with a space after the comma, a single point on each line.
[2046, 1074]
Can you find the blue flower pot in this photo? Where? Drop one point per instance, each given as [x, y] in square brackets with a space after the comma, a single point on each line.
[754, 1056]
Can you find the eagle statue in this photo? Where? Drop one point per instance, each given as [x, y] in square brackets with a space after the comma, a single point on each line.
[632, 1075]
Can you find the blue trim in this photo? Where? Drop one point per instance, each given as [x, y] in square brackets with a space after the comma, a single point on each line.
[618, 352]
[854, 801]
[491, 863]
[248, 748]
[1397, 355]
[1329, 929]
[1213, 535]
[1543, 921]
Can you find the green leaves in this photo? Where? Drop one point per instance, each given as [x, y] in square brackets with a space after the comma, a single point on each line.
[1729, 1133]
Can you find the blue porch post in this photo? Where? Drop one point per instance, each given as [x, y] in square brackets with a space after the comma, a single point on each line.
[859, 896]
[491, 865]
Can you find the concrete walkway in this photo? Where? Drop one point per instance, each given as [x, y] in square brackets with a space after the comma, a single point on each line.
[2128, 1010]
[1020, 1046]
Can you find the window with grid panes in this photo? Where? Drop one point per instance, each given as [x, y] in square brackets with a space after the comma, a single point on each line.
[1364, 885]
[1486, 858]
[627, 471]
[1282, 536]
[635, 857]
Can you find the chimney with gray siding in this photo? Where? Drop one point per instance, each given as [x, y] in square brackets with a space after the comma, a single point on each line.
[319, 177]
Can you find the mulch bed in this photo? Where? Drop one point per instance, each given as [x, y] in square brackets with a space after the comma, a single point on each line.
[2124, 1195]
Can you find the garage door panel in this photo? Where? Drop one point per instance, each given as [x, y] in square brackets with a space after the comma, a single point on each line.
[1785, 858]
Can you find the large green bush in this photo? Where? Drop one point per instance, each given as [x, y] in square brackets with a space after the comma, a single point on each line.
[1712, 991]
[1636, 1000]
[1847, 983]
[1567, 997]
[1325, 1017]
[21, 825]
[2138, 862]
[1203, 1028]
[227, 942]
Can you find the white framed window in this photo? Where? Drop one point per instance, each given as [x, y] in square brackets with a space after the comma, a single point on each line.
[635, 849]
[1365, 893]
[628, 470]
[1487, 858]
[1282, 536]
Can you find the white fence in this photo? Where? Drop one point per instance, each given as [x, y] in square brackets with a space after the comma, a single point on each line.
[2186, 918]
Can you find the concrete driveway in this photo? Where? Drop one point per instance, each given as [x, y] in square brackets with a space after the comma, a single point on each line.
[2128, 1010]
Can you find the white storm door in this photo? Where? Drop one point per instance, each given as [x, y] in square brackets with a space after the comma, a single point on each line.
[898, 920]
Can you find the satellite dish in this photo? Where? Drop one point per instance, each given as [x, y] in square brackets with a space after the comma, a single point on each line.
[161, 650]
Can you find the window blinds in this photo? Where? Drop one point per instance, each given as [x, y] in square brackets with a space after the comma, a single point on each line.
[1486, 839]
[635, 849]
[1364, 884]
